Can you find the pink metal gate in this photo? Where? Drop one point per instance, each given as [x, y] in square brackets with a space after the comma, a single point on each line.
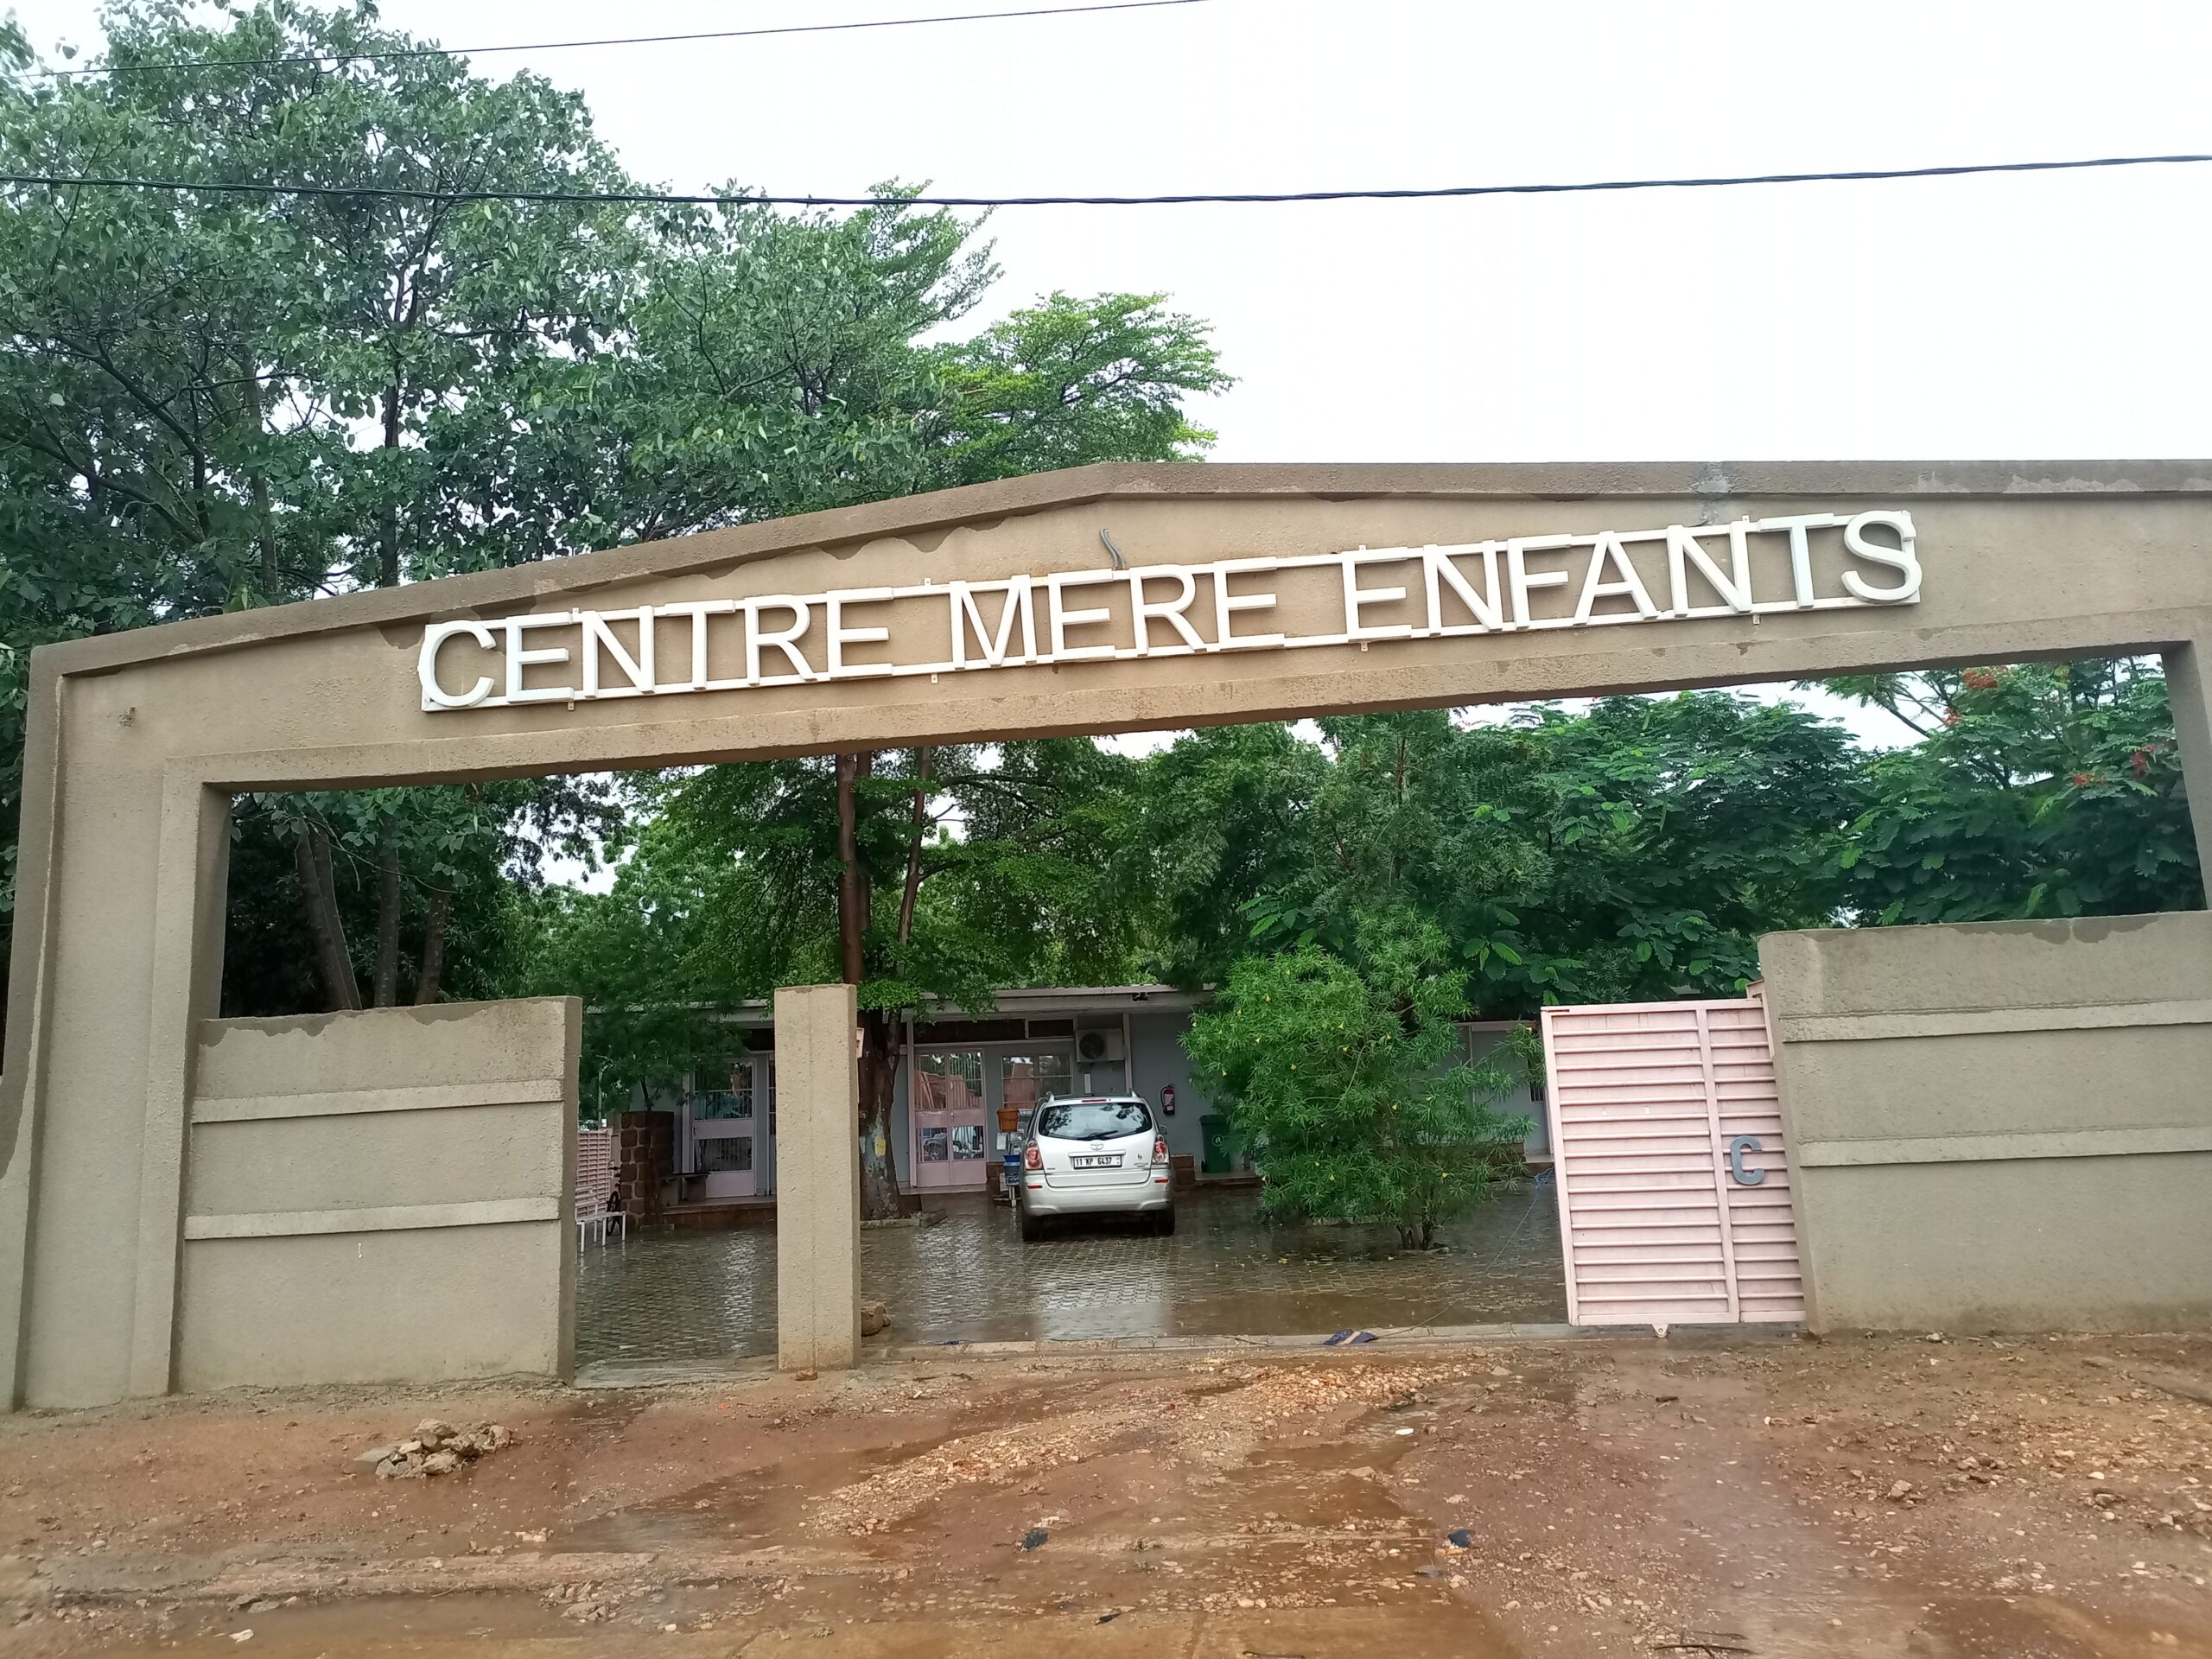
[1674, 1194]
[594, 1168]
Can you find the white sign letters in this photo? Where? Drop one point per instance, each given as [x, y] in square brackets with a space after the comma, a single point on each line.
[1365, 595]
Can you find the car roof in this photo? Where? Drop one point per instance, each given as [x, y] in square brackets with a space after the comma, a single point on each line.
[1093, 1100]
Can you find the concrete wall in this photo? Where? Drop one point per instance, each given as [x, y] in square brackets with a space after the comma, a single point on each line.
[2000, 1128]
[1489, 1044]
[134, 741]
[1157, 1059]
[381, 1196]
[818, 1195]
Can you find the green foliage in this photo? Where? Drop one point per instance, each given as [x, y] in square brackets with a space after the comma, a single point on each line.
[469, 854]
[211, 401]
[2047, 789]
[1420, 818]
[208, 402]
[650, 957]
[1210, 825]
[1071, 381]
[760, 364]
[1677, 829]
[731, 890]
[1339, 1075]
[1635, 851]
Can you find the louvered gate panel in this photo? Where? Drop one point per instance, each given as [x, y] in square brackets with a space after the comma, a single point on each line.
[1762, 1228]
[1645, 1100]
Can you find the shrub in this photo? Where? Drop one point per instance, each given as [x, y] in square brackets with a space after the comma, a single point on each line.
[1339, 1078]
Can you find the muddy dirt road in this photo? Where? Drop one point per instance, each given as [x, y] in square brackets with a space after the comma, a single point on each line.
[1776, 1497]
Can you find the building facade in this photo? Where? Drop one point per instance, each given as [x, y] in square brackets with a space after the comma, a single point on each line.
[960, 1069]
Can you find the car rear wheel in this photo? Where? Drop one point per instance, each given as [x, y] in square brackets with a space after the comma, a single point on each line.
[1033, 1226]
[1164, 1222]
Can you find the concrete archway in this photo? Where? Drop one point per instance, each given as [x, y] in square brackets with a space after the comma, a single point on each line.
[1336, 588]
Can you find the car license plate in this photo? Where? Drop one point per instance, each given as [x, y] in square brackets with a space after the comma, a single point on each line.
[1104, 1160]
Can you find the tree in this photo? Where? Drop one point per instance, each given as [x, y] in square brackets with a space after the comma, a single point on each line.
[1338, 1074]
[1070, 381]
[402, 872]
[762, 364]
[1676, 830]
[1331, 1039]
[654, 959]
[188, 373]
[1635, 850]
[213, 399]
[2043, 790]
[1209, 825]
[776, 364]
[923, 876]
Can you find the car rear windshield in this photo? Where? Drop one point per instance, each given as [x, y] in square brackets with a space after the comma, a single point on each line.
[1092, 1119]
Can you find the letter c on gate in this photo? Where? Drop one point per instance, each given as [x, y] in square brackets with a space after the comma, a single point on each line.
[435, 696]
[1737, 1149]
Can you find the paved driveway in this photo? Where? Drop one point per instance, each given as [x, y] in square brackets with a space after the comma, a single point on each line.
[694, 1296]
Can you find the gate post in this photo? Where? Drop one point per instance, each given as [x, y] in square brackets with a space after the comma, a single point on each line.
[2189, 696]
[817, 1179]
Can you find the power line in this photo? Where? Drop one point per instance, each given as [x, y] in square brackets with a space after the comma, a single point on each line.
[653, 198]
[622, 40]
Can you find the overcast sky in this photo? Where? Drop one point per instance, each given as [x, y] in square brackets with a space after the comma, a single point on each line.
[2055, 315]
[2035, 317]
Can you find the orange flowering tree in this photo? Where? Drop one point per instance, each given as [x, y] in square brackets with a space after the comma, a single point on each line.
[2044, 790]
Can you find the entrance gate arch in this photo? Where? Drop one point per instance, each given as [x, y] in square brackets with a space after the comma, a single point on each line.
[991, 611]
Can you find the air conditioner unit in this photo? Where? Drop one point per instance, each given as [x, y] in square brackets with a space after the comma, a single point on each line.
[1092, 1046]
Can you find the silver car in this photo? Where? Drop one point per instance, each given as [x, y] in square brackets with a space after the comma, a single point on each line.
[1095, 1156]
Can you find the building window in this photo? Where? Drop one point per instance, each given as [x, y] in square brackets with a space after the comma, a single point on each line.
[948, 1080]
[721, 1152]
[1026, 1078]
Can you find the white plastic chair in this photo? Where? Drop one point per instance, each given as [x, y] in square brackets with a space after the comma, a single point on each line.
[593, 1217]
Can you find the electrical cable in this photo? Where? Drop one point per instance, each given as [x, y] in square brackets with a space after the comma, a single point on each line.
[653, 198]
[623, 40]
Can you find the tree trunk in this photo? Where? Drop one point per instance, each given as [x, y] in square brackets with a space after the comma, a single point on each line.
[879, 1062]
[333, 961]
[852, 876]
[917, 824]
[388, 540]
[388, 895]
[434, 948]
[879, 1050]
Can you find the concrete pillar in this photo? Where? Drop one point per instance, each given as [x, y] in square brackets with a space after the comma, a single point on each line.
[2190, 695]
[817, 1179]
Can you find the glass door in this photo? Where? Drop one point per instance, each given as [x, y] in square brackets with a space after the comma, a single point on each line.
[950, 1140]
[725, 1142]
[1027, 1077]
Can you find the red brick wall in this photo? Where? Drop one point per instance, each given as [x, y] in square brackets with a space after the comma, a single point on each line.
[645, 1157]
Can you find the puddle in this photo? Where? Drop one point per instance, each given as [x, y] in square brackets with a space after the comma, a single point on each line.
[710, 1296]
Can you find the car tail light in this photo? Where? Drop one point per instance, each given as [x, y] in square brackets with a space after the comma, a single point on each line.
[1031, 1158]
[1160, 1149]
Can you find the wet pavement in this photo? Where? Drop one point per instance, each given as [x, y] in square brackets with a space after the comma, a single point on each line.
[704, 1296]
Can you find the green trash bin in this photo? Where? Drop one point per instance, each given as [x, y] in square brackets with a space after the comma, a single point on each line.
[1220, 1144]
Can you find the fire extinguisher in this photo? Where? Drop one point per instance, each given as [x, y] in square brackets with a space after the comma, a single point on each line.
[1167, 1099]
